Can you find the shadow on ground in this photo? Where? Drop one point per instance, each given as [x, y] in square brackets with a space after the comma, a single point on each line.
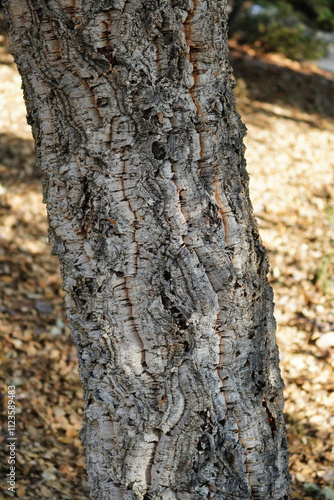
[300, 88]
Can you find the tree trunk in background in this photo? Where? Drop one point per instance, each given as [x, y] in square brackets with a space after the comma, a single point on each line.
[137, 134]
[237, 5]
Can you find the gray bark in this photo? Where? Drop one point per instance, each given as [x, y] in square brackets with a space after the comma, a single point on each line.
[138, 137]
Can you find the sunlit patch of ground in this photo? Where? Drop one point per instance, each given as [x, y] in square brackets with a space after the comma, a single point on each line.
[290, 159]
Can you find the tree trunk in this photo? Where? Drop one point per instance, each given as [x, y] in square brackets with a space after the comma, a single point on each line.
[137, 134]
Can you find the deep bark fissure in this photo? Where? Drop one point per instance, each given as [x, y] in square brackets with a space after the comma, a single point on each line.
[137, 134]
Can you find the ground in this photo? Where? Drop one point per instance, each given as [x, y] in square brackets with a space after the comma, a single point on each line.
[288, 110]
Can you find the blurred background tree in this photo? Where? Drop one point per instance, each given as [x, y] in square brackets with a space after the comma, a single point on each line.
[290, 27]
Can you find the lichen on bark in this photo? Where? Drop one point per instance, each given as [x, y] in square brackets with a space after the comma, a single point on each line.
[138, 137]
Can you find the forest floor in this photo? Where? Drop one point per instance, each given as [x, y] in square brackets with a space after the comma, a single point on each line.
[288, 110]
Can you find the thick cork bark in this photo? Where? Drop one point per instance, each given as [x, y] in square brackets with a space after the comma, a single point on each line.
[140, 144]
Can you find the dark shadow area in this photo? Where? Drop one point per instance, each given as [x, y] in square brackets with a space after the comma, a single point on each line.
[311, 92]
[3, 32]
[304, 432]
[5, 56]
[312, 325]
[267, 112]
[17, 160]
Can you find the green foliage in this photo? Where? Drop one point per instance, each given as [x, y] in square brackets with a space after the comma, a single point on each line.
[317, 13]
[279, 29]
[312, 489]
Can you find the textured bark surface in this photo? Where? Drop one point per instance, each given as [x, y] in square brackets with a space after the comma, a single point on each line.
[141, 147]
